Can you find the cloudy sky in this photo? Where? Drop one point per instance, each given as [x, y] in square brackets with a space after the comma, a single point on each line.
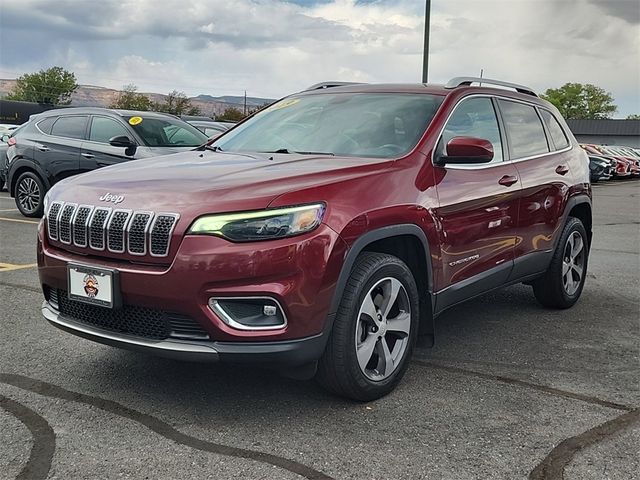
[272, 48]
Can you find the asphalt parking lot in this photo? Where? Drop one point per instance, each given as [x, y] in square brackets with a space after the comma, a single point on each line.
[510, 391]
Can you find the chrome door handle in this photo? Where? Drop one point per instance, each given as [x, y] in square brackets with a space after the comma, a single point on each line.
[508, 180]
[87, 155]
[42, 148]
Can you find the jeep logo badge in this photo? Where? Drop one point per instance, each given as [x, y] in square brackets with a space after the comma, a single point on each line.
[108, 197]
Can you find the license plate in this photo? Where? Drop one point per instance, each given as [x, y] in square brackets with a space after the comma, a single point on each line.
[92, 285]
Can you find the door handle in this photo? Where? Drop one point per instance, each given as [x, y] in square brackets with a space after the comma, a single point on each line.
[42, 148]
[562, 170]
[508, 180]
[87, 155]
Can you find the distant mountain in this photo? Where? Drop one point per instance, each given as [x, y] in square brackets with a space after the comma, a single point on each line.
[96, 96]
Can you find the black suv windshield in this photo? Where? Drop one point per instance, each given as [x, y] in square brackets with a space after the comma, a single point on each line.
[383, 125]
[166, 132]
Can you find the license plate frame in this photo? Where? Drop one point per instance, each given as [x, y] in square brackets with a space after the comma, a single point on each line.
[105, 282]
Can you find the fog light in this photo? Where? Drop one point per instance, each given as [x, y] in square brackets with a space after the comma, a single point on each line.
[249, 313]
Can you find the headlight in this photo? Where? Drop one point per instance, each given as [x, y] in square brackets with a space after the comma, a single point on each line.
[261, 225]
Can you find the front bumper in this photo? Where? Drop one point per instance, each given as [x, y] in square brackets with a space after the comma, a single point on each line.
[271, 354]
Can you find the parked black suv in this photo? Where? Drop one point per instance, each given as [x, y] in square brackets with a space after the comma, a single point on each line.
[60, 143]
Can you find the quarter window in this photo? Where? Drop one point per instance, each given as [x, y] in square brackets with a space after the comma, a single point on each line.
[474, 117]
[524, 128]
[46, 124]
[555, 130]
[70, 127]
[103, 129]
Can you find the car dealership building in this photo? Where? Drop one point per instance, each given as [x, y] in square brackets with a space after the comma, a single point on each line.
[607, 132]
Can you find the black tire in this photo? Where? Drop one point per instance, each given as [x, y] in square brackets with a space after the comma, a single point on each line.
[550, 290]
[339, 370]
[29, 193]
[2, 184]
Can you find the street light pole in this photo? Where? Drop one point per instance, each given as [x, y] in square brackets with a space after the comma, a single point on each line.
[425, 51]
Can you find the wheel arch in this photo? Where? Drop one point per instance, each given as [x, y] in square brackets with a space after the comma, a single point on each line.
[580, 207]
[407, 242]
[18, 169]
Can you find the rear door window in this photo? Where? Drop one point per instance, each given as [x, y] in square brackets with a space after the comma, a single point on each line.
[103, 129]
[524, 129]
[70, 127]
[558, 136]
[474, 117]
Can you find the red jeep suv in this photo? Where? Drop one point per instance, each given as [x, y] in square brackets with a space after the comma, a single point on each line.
[325, 233]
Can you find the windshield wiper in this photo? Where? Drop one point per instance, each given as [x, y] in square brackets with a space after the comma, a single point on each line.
[206, 146]
[286, 150]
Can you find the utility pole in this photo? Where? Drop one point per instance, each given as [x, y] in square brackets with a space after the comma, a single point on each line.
[245, 104]
[425, 51]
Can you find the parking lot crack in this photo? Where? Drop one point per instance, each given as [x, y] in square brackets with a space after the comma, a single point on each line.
[44, 440]
[522, 383]
[552, 467]
[158, 426]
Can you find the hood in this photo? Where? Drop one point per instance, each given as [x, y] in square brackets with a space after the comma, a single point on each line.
[198, 182]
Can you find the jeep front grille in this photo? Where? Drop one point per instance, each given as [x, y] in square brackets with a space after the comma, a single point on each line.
[117, 231]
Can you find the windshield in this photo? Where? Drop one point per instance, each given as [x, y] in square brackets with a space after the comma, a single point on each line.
[166, 132]
[380, 125]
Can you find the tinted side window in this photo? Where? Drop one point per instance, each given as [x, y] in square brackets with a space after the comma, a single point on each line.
[46, 124]
[474, 117]
[524, 128]
[103, 129]
[555, 130]
[70, 127]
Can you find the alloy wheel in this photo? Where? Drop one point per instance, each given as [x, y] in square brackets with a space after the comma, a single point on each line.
[382, 331]
[573, 263]
[29, 194]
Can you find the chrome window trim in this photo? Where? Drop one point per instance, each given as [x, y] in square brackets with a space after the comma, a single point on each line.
[226, 318]
[103, 227]
[124, 229]
[158, 215]
[56, 219]
[566, 137]
[75, 208]
[491, 165]
[86, 225]
[146, 233]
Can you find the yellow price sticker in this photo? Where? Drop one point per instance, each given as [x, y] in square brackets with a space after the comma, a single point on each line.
[135, 120]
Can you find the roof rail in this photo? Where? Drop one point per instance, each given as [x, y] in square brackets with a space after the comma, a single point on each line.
[458, 81]
[321, 85]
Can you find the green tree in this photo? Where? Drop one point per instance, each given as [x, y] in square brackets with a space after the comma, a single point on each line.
[231, 113]
[634, 116]
[575, 100]
[129, 99]
[54, 86]
[176, 103]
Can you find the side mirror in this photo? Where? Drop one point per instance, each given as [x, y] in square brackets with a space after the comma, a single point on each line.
[461, 150]
[124, 141]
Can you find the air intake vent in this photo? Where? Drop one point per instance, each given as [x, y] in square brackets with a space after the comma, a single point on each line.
[52, 220]
[115, 230]
[64, 224]
[97, 227]
[80, 225]
[161, 231]
[138, 228]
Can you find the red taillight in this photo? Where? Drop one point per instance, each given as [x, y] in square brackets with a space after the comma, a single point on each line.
[11, 142]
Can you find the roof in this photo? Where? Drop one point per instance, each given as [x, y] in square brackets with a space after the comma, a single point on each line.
[605, 126]
[94, 110]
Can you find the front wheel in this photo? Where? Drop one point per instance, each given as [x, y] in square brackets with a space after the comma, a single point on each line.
[374, 331]
[30, 195]
[562, 284]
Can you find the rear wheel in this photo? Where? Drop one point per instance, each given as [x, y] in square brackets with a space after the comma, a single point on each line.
[562, 284]
[374, 330]
[30, 195]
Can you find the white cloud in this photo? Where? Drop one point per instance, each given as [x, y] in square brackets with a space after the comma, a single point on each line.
[271, 48]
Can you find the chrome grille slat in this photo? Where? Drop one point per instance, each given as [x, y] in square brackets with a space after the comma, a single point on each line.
[64, 223]
[116, 230]
[80, 224]
[99, 228]
[160, 236]
[137, 233]
[52, 220]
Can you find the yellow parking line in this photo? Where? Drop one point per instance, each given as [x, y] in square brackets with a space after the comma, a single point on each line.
[7, 267]
[18, 220]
